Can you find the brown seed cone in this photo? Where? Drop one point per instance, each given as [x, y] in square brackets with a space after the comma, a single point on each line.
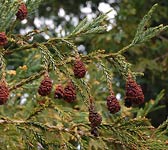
[134, 94]
[94, 118]
[79, 69]
[45, 86]
[22, 12]
[69, 92]
[59, 92]
[113, 104]
[4, 93]
[3, 39]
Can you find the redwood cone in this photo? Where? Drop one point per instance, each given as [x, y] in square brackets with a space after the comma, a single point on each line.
[4, 93]
[79, 69]
[45, 86]
[59, 92]
[113, 104]
[94, 118]
[22, 12]
[134, 94]
[69, 92]
[3, 39]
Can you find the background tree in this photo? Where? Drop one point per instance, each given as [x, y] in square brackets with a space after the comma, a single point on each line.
[32, 119]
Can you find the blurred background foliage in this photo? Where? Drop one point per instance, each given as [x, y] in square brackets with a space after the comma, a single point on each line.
[151, 58]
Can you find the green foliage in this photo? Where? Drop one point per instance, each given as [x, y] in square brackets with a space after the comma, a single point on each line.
[142, 34]
[162, 129]
[48, 123]
[33, 4]
[152, 105]
[86, 28]
[8, 9]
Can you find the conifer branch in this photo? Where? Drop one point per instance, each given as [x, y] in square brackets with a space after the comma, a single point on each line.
[2, 64]
[122, 65]
[47, 58]
[85, 28]
[151, 105]
[67, 125]
[108, 76]
[8, 9]
[32, 5]
[28, 80]
[145, 21]
[142, 34]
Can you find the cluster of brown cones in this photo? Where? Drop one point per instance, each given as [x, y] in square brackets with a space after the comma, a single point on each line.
[68, 93]
[134, 97]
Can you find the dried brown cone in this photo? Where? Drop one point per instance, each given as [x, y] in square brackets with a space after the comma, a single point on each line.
[22, 12]
[4, 92]
[45, 86]
[113, 104]
[134, 95]
[94, 118]
[69, 92]
[59, 92]
[3, 39]
[79, 69]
